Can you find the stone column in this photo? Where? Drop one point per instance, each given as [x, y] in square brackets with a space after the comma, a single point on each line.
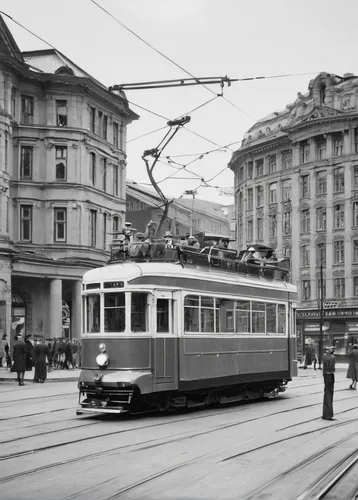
[76, 310]
[56, 308]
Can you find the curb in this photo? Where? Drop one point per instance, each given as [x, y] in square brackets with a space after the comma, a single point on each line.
[72, 379]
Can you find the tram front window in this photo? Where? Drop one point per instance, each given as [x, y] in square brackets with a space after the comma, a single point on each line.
[162, 315]
[114, 312]
[93, 313]
[139, 312]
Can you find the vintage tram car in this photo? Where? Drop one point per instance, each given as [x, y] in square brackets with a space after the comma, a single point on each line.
[173, 326]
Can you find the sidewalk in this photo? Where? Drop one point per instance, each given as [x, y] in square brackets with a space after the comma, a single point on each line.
[52, 376]
[309, 372]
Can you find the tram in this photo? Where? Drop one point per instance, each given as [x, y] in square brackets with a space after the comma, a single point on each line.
[167, 325]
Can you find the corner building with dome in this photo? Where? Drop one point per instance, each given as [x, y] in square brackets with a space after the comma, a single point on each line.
[296, 190]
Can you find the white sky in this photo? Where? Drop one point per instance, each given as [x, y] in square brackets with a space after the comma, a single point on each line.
[209, 39]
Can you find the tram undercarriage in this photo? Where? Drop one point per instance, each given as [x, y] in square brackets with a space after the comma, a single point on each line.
[112, 399]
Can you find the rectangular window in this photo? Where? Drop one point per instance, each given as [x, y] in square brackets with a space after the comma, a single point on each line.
[259, 167]
[250, 230]
[104, 230]
[115, 224]
[93, 169]
[250, 169]
[139, 312]
[305, 221]
[260, 228]
[286, 160]
[114, 312]
[27, 109]
[241, 202]
[338, 146]
[26, 162]
[338, 180]
[355, 250]
[321, 214]
[242, 174]
[355, 213]
[272, 226]
[286, 219]
[272, 164]
[355, 286]
[321, 254]
[60, 224]
[61, 163]
[115, 134]
[93, 119]
[6, 152]
[259, 196]
[163, 315]
[355, 178]
[250, 199]
[61, 113]
[226, 315]
[338, 252]
[241, 230]
[104, 174]
[356, 140]
[104, 127]
[305, 255]
[116, 180]
[242, 315]
[191, 313]
[272, 192]
[321, 289]
[286, 190]
[305, 152]
[281, 318]
[93, 228]
[207, 314]
[258, 312]
[93, 313]
[321, 182]
[338, 219]
[306, 289]
[339, 287]
[271, 318]
[305, 186]
[26, 223]
[321, 149]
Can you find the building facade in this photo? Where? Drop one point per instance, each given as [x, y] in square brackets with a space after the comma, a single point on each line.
[296, 185]
[144, 205]
[62, 186]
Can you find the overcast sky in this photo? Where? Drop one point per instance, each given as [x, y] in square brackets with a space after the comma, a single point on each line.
[208, 39]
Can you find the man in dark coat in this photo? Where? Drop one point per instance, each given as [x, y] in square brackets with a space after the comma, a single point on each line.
[41, 350]
[329, 364]
[19, 357]
[30, 347]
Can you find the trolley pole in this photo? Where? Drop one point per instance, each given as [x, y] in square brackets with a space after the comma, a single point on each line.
[320, 355]
[191, 192]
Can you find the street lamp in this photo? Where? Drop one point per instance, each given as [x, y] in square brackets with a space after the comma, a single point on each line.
[320, 354]
[191, 192]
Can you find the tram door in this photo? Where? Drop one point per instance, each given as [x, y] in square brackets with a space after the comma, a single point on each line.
[164, 340]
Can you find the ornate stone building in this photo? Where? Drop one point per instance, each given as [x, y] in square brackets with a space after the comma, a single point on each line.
[62, 185]
[296, 183]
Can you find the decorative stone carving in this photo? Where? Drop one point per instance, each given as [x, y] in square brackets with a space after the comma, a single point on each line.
[348, 102]
[273, 242]
[354, 271]
[321, 238]
[272, 209]
[287, 206]
[339, 273]
[338, 234]
[49, 144]
[304, 205]
[323, 112]
[259, 212]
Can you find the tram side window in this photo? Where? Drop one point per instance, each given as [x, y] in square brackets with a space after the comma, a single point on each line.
[207, 311]
[271, 318]
[226, 315]
[281, 318]
[258, 317]
[191, 313]
[162, 315]
[243, 323]
[139, 312]
[114, 312]
[93, 313]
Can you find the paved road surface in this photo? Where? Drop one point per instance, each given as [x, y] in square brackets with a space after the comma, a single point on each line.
[274, 449]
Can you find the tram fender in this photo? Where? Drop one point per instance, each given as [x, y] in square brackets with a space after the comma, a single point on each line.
[142, 379]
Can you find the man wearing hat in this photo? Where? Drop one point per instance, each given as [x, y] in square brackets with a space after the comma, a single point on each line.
[19, 357]
[329, 365]
[352, 372]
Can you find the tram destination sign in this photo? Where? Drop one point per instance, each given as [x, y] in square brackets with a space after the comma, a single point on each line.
[328, 313]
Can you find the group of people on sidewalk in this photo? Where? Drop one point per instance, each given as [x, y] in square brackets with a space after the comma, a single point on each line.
[329, 363]
[43, 355]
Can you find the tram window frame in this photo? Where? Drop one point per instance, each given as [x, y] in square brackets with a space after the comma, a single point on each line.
[225, 316]
[87, 329]
[163, 311]
[139, 315]
[118, 309]
[281, 316]
[241, 307]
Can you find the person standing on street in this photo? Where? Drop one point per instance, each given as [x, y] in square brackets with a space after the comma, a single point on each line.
[329, 365]
[353, 366]
[19, 356]
[41, 350]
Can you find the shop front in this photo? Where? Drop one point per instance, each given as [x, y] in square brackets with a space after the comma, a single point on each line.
[339, 328]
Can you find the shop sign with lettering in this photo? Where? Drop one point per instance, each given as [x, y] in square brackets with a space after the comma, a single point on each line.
[315, 327]
[328, 313]
[352, 327]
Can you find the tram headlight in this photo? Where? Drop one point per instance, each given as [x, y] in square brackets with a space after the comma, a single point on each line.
[102, 360]
[102, 347]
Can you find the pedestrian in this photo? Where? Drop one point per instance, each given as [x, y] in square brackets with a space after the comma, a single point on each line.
[19, 359]
[30, 347]
[40, 352]
[2, 350]
[308, 356]
[329, 364]
[75, 356]
[352, 372]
